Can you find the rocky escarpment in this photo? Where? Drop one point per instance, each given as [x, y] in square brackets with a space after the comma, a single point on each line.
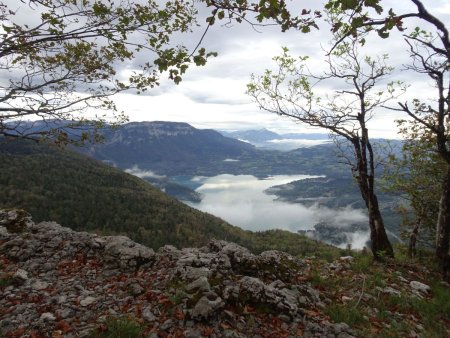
[56, 282]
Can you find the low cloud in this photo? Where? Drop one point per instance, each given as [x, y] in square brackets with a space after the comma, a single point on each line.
[241, 201]
[298, 143]
[135, 171]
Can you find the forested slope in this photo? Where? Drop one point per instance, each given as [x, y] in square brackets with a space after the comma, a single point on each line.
[84, 194]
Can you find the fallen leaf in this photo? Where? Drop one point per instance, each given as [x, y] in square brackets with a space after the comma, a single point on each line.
[225, 326]
[208, 331]
[57, 334]
[179, 315]
[63, 326]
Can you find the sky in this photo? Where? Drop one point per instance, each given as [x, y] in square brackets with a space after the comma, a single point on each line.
[214, 96]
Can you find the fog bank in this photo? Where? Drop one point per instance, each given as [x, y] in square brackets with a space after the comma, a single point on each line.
[241, 201]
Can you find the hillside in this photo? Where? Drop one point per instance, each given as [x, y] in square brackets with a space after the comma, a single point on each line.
[84, 194]
[165, 147]
[56, 282]
[174, 149]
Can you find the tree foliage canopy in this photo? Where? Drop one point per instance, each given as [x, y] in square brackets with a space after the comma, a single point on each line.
[59, 58]
[417, 174]
[293, 91]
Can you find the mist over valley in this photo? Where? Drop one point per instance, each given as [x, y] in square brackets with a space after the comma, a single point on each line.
[242, 200]
[246, 183]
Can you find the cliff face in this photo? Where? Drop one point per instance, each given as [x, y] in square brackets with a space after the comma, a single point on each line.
[58, 282]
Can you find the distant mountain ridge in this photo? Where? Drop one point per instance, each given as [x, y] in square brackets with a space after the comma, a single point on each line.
[160, 145]
[263, 135]
[178, 149]
[269, 140]
[259, 135]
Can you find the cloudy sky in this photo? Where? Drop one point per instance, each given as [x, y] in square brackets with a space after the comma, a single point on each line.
[214, 96]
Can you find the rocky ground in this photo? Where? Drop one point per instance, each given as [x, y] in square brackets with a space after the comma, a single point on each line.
[55, 282]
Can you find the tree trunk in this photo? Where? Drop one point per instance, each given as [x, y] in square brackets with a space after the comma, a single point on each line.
[365, 176]
[378, 236]
[412, 248]
[443, 227]
[380, 244]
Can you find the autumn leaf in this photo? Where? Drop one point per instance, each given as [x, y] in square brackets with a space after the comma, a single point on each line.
[208, 331]
[179, 315]
[63, 326]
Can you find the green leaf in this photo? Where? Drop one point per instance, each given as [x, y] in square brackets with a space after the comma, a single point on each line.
[349, 4]
[383, 34]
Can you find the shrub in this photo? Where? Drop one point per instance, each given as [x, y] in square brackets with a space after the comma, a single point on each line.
[119, 327]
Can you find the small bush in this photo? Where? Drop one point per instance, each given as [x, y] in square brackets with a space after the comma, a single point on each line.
[178, 297]
[4, 282]
[119, 327]
[377, 279]
[362, 263]
[316, 279]
[344, 313]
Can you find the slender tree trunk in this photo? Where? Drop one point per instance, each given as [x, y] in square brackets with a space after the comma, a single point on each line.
[443, 227]
[365, 171]
[378, 236]
[380, 244]
[412, 248]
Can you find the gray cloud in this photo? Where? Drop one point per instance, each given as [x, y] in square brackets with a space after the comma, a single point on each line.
[219, 87]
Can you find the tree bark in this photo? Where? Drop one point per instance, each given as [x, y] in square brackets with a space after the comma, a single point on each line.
[365, 171]
[412, 248]
[378, 236]
[380, 244]
[443, 227]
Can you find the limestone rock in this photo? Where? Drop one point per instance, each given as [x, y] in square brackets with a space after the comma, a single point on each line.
[206, 308]
[346, 299]
[420, 287]
[169, 251]
[134, 288]
[4, 232]
[391, 291]
[148, 315]
[15, 221]
[88, 301]
[124, 253]
[19, 277]
[69, 282]
[200, 284]
[256, 292]
[39, 285]
[47, 317]
[348, 259]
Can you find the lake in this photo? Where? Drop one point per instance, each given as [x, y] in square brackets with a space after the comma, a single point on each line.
[241, 201]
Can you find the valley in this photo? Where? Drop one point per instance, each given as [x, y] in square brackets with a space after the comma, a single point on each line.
[305, 190]
[57, 184]
[186, 162]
